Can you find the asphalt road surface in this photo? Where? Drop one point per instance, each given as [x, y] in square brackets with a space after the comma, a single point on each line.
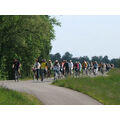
[49, 94]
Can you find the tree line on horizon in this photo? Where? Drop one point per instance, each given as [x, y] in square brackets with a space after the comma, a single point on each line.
[68, 56]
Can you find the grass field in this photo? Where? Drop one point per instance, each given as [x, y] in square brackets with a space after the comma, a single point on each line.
[10, 97]
[104, 89]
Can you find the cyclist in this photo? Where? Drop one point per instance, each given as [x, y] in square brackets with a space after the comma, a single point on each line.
[16, 66]
[95, 67]
[37, 69]
[61, 69]
[103, 68]
[62, 65]
[80, 68]
[56, 69]
[88, 68]
[43, 69]
[66, 68]
[84, 66]
[91, 68]
[76, 69]
[50, 67]
[71, 67]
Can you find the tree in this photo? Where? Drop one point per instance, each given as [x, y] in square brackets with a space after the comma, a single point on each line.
[118, 63]
[67, 56]
[56, 56]
[74, 59]
[105, 59]
[86, 58]
[25, 38]
[96, 58]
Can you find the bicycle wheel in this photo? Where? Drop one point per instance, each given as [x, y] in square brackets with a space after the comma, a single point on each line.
[16, 75]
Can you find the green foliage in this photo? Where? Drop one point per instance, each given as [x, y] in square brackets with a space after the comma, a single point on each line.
[3, 71]
[86, 58]
[118, 63]
[98, 59]
[25, 38]
[67, 56]
[105, 59]
[10, 97]
[57, 56]
[104, 89]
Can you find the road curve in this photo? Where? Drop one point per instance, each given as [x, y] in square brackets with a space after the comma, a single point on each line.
[50, 94]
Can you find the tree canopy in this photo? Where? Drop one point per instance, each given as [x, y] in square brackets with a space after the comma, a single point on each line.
[25, 37]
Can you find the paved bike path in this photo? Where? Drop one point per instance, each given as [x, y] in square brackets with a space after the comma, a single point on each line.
[50, 94]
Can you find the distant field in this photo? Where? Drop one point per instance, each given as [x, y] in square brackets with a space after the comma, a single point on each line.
[104, 89]
[10, 97]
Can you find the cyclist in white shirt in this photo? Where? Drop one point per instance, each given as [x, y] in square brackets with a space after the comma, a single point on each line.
[37, 69]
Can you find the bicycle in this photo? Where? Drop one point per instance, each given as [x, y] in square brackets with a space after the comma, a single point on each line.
[17, 75]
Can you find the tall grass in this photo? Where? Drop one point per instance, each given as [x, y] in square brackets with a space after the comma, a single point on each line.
[104, 89]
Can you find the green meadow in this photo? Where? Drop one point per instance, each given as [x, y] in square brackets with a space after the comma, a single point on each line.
[105, 89]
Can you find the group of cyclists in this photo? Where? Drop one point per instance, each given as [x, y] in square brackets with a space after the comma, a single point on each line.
[61, 69]
[68, 68]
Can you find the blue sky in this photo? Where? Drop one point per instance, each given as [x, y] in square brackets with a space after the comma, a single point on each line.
[88, 36]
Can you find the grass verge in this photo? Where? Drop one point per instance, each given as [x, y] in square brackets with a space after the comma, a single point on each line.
[104, 89]
[11, 97]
